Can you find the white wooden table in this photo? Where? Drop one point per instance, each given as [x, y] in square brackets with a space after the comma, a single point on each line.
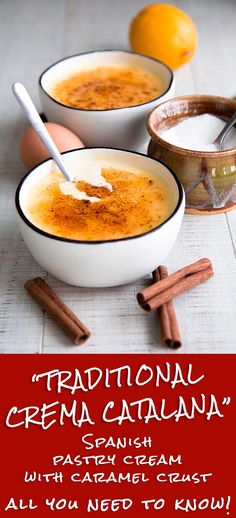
[35, 33]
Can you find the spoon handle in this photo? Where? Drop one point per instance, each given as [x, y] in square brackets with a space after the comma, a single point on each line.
[225, 130]
[32, 115]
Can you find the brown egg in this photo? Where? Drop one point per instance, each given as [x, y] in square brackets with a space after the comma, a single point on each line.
[33, 151]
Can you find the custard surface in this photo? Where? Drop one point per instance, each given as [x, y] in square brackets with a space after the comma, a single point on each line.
[107, 87]
[138, 203]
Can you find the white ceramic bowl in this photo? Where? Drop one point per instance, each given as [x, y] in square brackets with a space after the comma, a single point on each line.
[119, 127]
[101, 263]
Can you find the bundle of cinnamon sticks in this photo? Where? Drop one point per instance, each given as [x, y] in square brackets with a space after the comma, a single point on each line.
[165, 288]
[158, 296]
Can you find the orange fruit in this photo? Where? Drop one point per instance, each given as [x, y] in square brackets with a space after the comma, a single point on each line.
[164, 32]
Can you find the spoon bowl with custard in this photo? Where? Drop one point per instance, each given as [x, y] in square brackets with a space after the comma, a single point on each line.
[105, 96]
[115, 224]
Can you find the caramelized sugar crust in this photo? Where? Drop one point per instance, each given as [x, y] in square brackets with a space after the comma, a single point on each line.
[138, 203]
[105, 88]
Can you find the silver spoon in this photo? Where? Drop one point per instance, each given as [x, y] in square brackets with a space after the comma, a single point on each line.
[219, 140]
[34, 118]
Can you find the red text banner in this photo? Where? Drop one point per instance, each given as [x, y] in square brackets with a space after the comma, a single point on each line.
[107, 435]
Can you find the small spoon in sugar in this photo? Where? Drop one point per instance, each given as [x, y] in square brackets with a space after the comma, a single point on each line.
[220, 139]
[68, 187]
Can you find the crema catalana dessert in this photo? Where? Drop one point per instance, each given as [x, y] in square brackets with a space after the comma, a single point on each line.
[108, 87]
[102, 204]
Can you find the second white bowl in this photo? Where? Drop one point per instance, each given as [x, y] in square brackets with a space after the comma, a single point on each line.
[120, 127]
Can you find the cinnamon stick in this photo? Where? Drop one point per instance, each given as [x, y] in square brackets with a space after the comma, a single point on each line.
[170, 280]
[177, 289]
[58, 310]
[168, 321]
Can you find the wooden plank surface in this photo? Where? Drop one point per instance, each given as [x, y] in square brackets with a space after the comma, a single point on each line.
[44, 32]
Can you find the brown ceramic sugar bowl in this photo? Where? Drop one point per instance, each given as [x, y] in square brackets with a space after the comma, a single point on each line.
[209, 178]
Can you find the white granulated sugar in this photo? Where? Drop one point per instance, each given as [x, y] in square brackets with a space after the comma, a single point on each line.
[198, 133]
